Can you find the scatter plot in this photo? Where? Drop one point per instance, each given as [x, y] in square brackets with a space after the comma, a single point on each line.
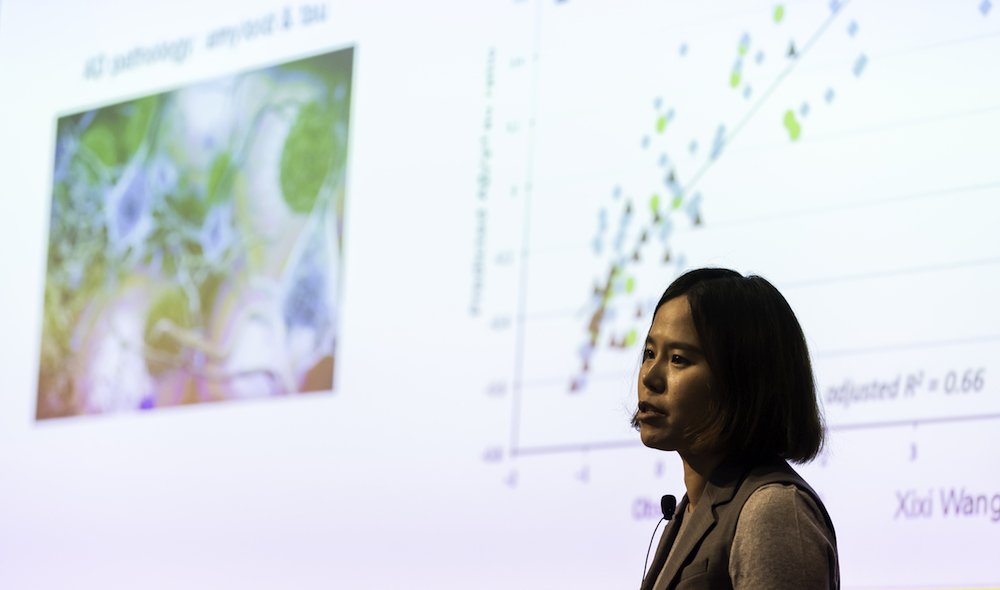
[673, 204]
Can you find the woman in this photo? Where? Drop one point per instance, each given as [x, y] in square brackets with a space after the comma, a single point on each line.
[727, 383]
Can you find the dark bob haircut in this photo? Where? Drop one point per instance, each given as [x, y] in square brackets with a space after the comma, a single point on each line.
[760, 365]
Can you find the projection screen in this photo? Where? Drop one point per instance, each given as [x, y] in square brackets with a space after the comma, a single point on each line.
[352, 294]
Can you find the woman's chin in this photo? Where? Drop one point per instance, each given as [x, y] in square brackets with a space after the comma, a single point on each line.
[655, 440]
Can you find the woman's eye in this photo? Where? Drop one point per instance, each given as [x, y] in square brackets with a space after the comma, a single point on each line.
[678, 359]
[647, 354]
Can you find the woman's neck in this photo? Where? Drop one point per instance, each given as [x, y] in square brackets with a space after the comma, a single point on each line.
[697, 470]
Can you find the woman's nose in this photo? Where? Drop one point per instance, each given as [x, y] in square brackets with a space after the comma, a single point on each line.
[653, 379]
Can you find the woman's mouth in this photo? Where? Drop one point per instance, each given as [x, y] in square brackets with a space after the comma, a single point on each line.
[648, 411]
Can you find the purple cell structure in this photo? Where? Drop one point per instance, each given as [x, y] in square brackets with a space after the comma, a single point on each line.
[985, 7]
[852, 28]
[829, 95]
[304, 303]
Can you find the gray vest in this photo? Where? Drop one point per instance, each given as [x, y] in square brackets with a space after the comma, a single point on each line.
[706, 545]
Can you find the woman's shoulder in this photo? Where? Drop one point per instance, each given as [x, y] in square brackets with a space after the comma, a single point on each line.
[783, 504]
[781, 534]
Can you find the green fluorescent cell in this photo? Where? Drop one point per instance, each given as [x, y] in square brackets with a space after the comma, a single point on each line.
[630, 338]
[629, 285]
[677, 201]
[101, 142]
[734, 79]
[779, 13]
[794, 129]
[654, 203]
[309, 152]
[140, 114]
[661, 124]
[216, 189]
[170, 309]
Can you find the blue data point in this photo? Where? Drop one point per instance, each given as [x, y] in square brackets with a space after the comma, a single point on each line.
[718, 142]
[859, 65]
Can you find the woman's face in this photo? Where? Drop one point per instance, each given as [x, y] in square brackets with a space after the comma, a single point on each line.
[675, 392]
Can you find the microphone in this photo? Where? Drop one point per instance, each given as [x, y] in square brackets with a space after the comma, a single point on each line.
[668, 504]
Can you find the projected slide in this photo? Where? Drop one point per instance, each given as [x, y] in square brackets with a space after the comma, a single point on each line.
[195, 243]
[420, 244]
[762, 139]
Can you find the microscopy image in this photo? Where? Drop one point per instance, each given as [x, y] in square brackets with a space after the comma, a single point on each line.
[195, 243]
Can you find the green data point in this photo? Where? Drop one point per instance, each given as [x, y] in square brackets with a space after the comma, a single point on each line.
[654, 203]
[794, 129]
[677, 202]
[779, 13]
[734, 79]
[629, 285]
[661, 124]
